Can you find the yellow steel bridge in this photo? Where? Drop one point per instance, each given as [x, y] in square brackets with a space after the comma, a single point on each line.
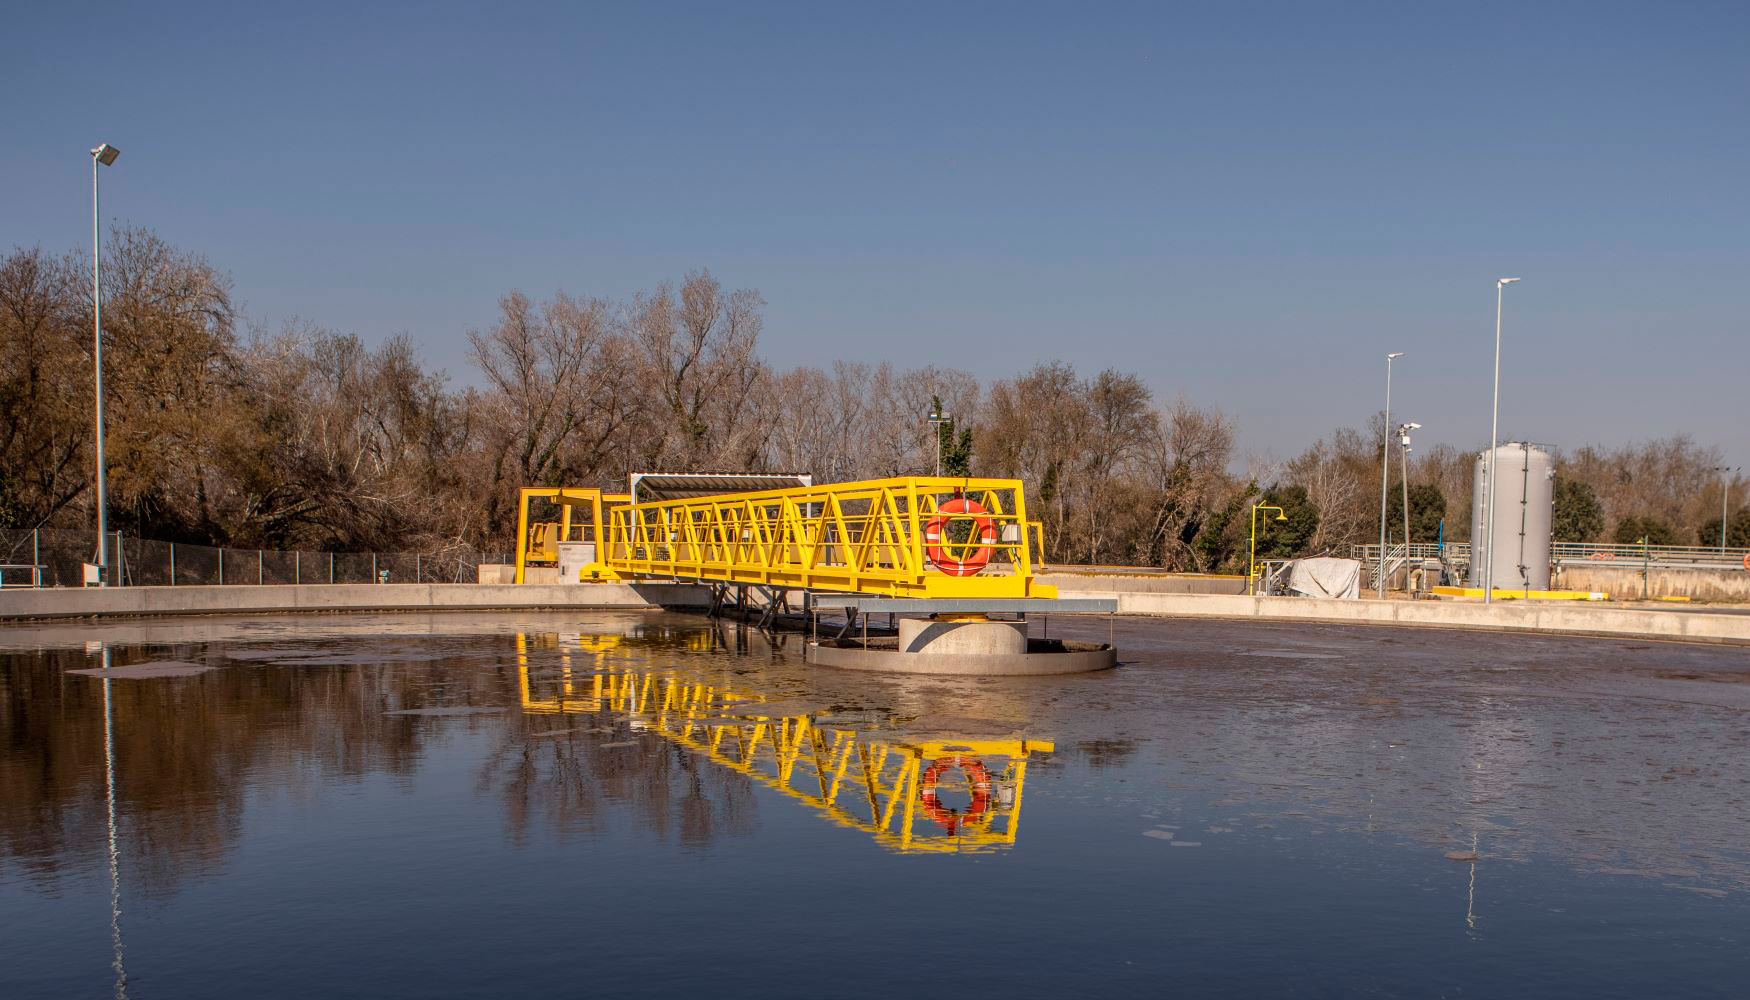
[903, 537]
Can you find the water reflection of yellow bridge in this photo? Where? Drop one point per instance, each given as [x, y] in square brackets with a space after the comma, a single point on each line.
[887, 785]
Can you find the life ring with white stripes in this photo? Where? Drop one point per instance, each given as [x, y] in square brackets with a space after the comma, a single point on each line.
[984, 530]
[976, 773]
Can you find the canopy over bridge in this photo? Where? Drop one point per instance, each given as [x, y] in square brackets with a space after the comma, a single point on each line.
[911, 536]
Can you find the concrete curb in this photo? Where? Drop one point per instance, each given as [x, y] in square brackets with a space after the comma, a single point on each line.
[155, 601]
[1566, 619]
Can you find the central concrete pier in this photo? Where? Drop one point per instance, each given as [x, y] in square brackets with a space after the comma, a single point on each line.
[960, 637]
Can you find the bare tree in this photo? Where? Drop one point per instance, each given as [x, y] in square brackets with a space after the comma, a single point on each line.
[555, 379]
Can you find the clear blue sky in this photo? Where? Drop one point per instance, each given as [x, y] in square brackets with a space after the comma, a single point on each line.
[1246, 204]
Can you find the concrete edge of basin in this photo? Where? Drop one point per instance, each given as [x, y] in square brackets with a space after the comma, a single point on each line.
[1566, 619]
[155, 602]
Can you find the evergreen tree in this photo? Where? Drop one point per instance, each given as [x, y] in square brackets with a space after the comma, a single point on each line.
[1631, 529]
[1579, 517]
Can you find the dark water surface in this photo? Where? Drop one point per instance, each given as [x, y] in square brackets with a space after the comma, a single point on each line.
[631, 804]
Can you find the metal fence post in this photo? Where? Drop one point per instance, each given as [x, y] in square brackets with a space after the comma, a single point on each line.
[297, 566]
[330, 567]
[173, 564]
[373, 567]
[36, 559]
[260, 567]
[221, 565]
[418, 568]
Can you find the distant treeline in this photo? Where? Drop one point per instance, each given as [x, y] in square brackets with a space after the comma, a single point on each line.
[309, 439]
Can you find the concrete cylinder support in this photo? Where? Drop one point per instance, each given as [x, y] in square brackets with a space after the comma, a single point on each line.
[962, 636]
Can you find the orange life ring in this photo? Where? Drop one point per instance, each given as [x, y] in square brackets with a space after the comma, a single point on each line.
[984, 527]
[1747, 560]
[950, 819]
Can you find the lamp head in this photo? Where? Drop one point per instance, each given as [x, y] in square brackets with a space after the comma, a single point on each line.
[1505, 281]
[1396, 354]
[106, 153]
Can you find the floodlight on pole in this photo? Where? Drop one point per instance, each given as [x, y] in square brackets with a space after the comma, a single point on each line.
[1489, 465]
[104, 154]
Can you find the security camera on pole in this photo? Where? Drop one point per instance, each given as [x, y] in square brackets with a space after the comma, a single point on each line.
[1404, 443]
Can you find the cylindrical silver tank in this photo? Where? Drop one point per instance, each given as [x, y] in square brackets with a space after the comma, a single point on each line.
[1522, 504]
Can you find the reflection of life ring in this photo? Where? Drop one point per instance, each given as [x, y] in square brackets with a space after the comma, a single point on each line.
[983, 527]
[976, 773]
[1601, 555]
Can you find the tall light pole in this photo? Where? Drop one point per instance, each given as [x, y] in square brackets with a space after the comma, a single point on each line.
[937, 419]
[1725, 493]
[1385, 471]
[1489, 465]
[104, 155]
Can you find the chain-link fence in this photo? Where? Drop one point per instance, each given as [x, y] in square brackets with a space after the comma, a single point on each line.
[49, 557]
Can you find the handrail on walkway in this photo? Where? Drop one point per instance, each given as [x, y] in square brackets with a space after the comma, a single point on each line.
[899, 537]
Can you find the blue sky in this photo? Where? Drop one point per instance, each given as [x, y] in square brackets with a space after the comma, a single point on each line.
[1246, 204]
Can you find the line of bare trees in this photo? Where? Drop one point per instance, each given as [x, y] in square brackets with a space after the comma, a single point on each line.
[311, 439]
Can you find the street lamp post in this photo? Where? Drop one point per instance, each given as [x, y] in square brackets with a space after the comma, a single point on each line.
[1385, 470]
[937, 419]
[1489, 466]
[1725, 494]
[104, 155]
[1252, 557]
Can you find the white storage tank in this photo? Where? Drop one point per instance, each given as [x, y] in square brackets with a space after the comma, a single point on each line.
[1522, 504]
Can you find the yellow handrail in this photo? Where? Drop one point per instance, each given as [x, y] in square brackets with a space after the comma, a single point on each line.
[864, 537]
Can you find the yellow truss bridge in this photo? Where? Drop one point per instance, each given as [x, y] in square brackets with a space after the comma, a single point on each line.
[888, 787]
[902, 537]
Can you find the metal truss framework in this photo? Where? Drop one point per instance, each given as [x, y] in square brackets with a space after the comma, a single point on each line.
[864, 537]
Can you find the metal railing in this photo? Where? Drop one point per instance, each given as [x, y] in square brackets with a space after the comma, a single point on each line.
[1669, 556]
[1395, 557]
[902, 537]
[52, 557]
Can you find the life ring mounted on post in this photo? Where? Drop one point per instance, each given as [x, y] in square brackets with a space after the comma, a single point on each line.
[1747, 560]
[973, 555]
[976, 774]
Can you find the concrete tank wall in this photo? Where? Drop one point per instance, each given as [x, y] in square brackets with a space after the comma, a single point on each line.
[1622, 581]
[1521, 502]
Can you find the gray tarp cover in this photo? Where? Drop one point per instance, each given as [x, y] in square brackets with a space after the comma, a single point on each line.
[1326, 578]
